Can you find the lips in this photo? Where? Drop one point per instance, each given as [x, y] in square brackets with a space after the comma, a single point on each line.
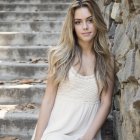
[86, 34]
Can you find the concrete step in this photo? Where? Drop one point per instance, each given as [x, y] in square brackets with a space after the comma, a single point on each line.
[24, 38]
[21, 93]
[16, 71]
[32, 16]
[24, 53]
[18, 120]
[34, 7]
[34, 1]
[35, 26]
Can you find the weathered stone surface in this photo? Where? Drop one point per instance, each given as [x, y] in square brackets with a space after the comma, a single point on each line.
[136, 4]
[107, 13]
[131, 121]
[116, 13]
[136, 101]
[130, 8]
[127, 72]
[133, 30]
[127, 55]
[123, 48]
[128, 94]
[112, 29]
[120, 29]
[117, 122]
[107, 2]
[137, 64]
[117, 101]
[132, 66]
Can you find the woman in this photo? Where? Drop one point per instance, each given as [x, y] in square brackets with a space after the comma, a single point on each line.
[78, 96]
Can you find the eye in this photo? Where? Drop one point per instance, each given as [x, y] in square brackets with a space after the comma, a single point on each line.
[90, 20]
[77, 22]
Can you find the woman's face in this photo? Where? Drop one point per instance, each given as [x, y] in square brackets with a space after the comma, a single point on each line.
[84, 25]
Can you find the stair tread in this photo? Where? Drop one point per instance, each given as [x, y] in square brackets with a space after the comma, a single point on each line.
[24, 111]
[31, 26]
[22, 91]
[10, 33]
[14, 63]
[21, 86]
[28, 4]
[33, 1]
[33, 12]
[25, 47]
[32, 16]
[22, 22]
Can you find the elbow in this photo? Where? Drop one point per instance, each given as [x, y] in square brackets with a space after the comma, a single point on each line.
[48, 103]
[107, 105]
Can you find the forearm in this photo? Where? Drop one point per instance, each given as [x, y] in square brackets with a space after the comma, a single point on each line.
[43, 119]
[98, 121]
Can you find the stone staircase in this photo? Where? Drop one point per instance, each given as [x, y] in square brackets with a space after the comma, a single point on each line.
[27, 29]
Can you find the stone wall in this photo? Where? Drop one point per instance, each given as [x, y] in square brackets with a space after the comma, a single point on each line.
[123, 22]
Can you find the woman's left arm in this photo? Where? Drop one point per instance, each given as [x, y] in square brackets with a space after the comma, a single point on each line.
[103, 111]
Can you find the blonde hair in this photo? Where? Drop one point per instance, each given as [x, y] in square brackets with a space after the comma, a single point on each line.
[61, 57]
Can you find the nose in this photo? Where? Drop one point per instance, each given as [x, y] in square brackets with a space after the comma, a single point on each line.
[85, 26]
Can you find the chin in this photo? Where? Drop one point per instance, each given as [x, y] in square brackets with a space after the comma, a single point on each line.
[87, 39]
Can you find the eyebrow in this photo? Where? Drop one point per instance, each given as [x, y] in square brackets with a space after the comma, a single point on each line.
[81, 19]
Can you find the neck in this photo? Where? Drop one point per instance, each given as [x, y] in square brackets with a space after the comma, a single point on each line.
[86, 47]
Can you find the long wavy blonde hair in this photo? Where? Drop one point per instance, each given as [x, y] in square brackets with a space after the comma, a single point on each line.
[62, 56]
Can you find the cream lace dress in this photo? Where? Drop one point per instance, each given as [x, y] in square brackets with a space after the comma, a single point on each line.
[76, 104]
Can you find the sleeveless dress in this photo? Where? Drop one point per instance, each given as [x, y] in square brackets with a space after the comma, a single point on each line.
[76, 104]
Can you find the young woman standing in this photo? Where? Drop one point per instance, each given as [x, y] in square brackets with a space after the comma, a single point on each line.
[80, 84]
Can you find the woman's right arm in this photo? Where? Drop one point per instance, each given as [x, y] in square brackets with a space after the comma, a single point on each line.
[46, 108]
